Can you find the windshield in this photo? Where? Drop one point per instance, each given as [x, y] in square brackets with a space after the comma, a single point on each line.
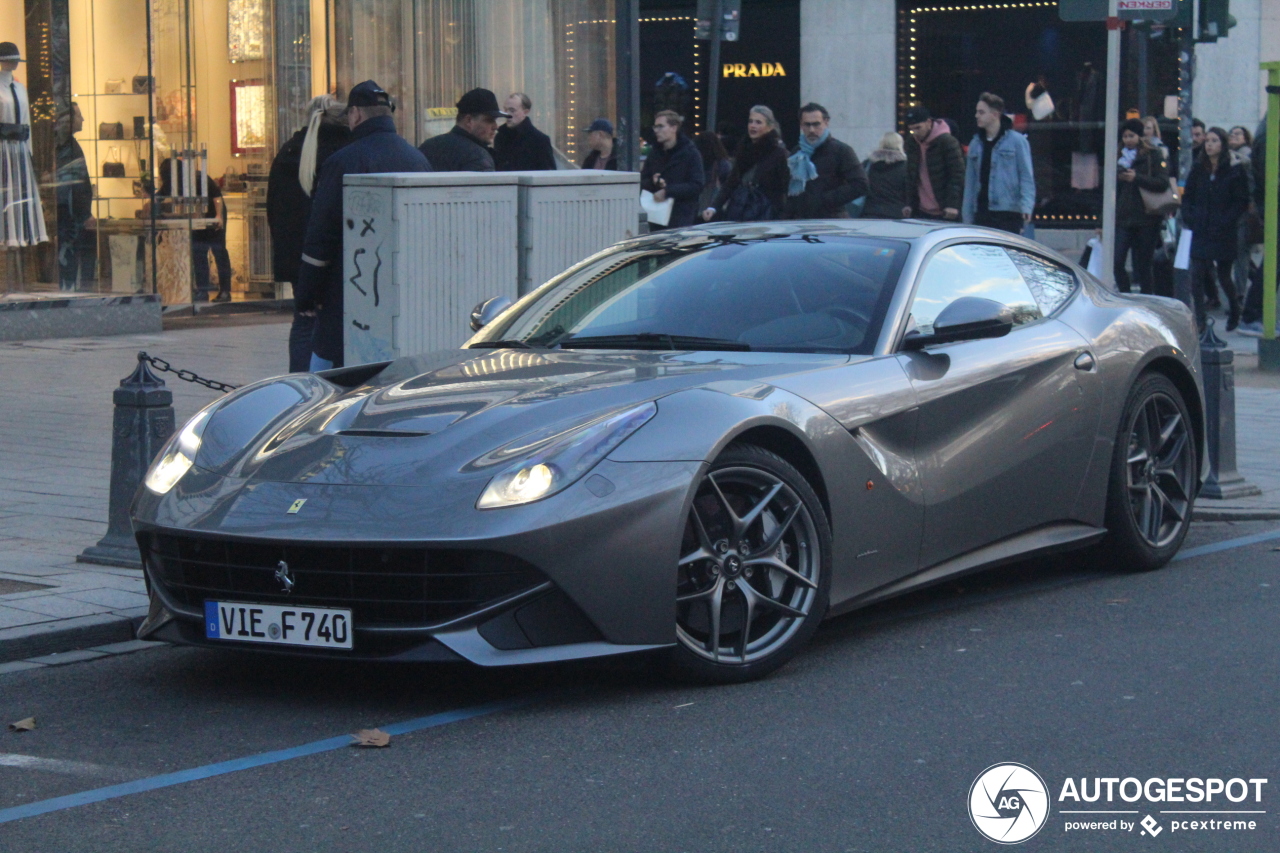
[799, 293]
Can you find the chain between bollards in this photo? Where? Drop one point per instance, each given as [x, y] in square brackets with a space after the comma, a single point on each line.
[186, 375]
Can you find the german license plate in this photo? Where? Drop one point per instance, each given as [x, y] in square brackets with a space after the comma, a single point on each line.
[277, 624]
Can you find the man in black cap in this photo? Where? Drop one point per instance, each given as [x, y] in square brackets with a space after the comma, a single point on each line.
[935, 168]
[375, 146]
[465, 148]
[603, 145]
[519, 146]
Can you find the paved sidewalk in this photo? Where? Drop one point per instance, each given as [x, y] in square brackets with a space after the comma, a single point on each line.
[55, 450]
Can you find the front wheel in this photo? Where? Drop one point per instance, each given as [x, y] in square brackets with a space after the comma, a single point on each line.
[1153, 478]
[754, 574]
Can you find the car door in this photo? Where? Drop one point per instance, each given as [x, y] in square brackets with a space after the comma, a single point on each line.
[1006, 425]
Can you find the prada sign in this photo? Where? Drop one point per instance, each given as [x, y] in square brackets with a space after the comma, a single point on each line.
[754, 69]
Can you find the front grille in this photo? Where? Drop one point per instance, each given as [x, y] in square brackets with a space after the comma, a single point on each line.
[381, 586]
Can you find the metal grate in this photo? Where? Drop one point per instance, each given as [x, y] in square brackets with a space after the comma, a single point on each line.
[382, 586]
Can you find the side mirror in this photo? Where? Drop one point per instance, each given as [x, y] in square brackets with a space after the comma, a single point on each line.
[484, 312]
[966, 319]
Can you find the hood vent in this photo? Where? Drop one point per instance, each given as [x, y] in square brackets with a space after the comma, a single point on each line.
[383, 433]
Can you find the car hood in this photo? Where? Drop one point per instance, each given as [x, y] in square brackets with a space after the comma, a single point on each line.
[434, 413]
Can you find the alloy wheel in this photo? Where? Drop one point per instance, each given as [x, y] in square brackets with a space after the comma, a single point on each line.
[1159, 469]
[750, 569]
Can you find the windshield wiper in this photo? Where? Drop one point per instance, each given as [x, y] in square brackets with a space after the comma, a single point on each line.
[654, 340]
[503, 344]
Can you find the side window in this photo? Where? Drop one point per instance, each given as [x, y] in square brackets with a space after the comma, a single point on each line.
[1050, 283]
[973, 269]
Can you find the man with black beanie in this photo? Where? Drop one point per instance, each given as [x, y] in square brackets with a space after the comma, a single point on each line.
[466, 147]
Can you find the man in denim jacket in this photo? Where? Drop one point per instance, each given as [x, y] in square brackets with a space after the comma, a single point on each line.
[999, 185]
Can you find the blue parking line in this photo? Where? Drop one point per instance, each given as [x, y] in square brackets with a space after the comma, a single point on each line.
[1228, 544]
[167, 780]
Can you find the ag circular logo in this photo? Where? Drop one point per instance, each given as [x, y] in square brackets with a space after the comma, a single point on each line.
[1008, 803]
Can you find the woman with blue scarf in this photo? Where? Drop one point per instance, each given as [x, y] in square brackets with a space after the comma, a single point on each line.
[825, 173]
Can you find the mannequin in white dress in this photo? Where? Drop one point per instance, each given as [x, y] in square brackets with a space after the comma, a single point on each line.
[21, 217]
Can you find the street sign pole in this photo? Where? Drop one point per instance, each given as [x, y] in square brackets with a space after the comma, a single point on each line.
[1110, 134]
[713, 73]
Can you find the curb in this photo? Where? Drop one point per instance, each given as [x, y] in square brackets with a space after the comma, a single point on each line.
[1200, 513]
[64, 635]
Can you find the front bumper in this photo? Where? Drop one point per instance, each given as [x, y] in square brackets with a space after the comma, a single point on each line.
[587, 572]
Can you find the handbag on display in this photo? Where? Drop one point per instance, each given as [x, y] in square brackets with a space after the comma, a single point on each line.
[143, 84]
[112, 167]
[114, 87]
[1084, 171]
[139, 127]
[110, 130]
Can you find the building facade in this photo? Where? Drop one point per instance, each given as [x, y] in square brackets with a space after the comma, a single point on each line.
[174, 94]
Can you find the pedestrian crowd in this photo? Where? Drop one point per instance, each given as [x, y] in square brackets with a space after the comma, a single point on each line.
[924, 173]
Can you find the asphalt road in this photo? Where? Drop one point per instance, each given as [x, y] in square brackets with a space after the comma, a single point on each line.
[867, 742]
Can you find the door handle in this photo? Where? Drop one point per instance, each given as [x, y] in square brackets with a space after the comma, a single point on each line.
[1084, 361]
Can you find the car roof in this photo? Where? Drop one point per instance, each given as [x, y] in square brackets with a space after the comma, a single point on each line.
[925, 234]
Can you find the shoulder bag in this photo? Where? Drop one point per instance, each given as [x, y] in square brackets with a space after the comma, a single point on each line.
[748, 203]
[1162, 203]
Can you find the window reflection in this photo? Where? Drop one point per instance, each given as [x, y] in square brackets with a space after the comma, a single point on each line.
[975, 269]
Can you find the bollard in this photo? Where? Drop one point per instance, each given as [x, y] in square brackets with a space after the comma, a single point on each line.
[1217, 362]
[143, 422]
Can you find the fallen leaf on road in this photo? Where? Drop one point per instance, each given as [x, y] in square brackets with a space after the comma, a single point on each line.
[23, 725]
[371, 737]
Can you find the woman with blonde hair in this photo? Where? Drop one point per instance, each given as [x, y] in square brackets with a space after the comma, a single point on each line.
[289, 186]
[1151, 135]
[887, 175]
[756, 189]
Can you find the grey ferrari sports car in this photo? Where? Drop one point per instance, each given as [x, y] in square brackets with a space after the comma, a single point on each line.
[703, 442]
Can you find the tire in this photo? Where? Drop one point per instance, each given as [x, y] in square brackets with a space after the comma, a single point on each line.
[1154, 478]
[755, 569]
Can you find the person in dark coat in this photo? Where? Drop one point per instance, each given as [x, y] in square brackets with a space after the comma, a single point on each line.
[826, 174]
[935, 168]
[76, 243]
[603, 145]
[1137, 232]
[716, 167]
[465, 148]
[1217, 195]
[1251, 315]
[519, 146]
[759, 162]
[289, 188]
[673, 170]
[886, 179]
[375, 146]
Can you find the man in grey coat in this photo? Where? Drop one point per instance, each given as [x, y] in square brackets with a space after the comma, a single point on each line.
[466, 147]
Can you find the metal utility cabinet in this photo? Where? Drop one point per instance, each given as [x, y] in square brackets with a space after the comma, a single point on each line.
[569, 215]
[419, 251]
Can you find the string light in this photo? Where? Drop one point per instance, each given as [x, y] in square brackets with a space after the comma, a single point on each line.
[907, 90]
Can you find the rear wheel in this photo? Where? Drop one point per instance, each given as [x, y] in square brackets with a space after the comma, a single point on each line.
[1153, 478]
[754, 570]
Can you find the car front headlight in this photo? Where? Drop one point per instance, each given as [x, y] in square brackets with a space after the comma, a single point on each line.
[550, 463]
[178, 456]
